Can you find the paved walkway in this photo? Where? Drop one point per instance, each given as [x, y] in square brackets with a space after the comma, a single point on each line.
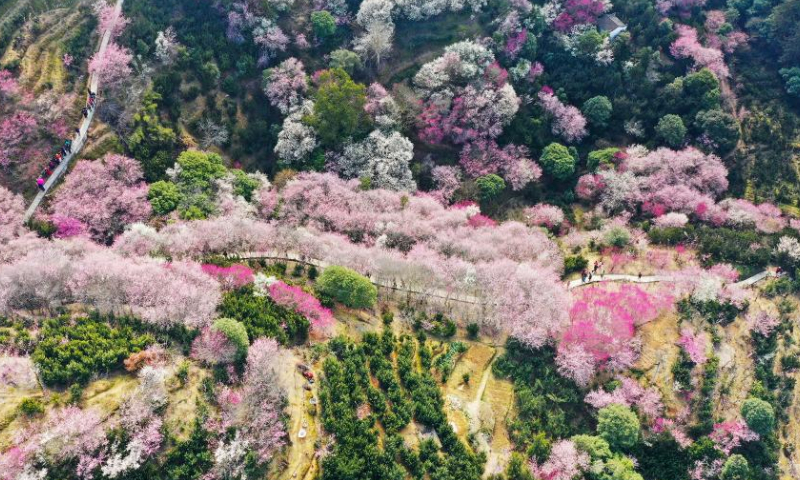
[80, 138]
[445, 295]
[748, 282]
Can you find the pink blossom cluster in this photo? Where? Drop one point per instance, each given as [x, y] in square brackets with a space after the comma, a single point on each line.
[688, 46]
[565, 462]
[112, 65]
[729, 435]
[568, 122]
[109, 18]
[8, 84]
[483, 157]
[603, 327]
[578, 12]
[47, 274]
[69, 434]
[255, 409]
[661, 425]
[213, 347]
[305, 304]
[694, 345]
[630, 394]
[447, 180]
[232, 277]
[513, 268]
[15, 130]
[286, 85]
[544, 215]
[684, 7]
[729, 42]
[705, 469]
[762, 322]
[515, 43]
[103, 196]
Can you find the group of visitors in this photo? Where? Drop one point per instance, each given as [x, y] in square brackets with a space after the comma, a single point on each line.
[66, 149]
[586, 276]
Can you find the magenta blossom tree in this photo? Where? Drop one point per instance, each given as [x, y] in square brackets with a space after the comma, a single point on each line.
[231, 277]
[305, 304]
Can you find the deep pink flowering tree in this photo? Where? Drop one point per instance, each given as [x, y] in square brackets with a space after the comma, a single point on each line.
[304, 303]
[104, 195]
[568, 122]
[603, 323]
[730, 435]
[112, 65]
[695, 345]
[232, 277]
[286, 85]
[578, 12]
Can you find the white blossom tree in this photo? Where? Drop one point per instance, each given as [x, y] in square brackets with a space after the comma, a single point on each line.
[381, 157]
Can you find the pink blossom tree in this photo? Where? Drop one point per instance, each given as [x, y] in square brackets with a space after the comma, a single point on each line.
[8, 84]
[544, 215]
[568, 122]
[688, 46]
[729, 435]
[565, 462]
[579, 12]
[16, 131]
[104, 195]
[603, 323]
[695, 345]
[111, 65]
[213, 347]
[255, 410]
[286, 84]
[232, 277]
[305, 304]
[762, 322]
[109, 18]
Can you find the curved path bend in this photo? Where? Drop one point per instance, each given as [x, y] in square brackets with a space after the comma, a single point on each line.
[79, 140]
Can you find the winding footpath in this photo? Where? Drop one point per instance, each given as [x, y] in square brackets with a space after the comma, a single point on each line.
[447, 296]
[80, 138]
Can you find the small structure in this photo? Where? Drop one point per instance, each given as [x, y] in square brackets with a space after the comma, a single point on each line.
[612, 24]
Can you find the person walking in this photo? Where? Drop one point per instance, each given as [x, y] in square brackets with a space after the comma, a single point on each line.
[40, 183]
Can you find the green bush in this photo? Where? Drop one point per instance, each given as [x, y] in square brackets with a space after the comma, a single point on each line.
[490, 186]
[600, 157]
[557, 161]
[617, 237]
[347, 60]
[71, 351]
[323, 24]
[164, 197]
[574, 263]
[672, 130]
[759, 415]
[262, 317]
[720, 127]
[472, 330]
[598, 110]
[31, 407]
[619, 426]
[347, 287]
[339, 108]
[735, 468]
